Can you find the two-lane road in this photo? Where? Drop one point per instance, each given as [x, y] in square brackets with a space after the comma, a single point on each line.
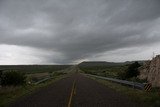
[75, 91]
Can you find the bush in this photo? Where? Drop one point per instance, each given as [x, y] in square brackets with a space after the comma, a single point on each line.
[13, 78]
[132, 70]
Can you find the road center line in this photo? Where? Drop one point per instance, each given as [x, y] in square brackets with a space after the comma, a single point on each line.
[71, 95]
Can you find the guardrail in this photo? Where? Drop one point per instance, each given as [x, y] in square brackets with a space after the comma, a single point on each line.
[42, 80]
[123, 82]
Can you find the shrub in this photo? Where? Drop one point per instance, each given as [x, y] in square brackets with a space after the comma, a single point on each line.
[13, 78]
[132, 70]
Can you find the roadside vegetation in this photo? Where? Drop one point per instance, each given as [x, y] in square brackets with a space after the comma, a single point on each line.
[131, 71]
[12, 78]
[106, 71]
[121, 71]
[14, 84]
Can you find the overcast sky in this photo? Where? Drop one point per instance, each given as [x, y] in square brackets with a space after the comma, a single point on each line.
[71, 31]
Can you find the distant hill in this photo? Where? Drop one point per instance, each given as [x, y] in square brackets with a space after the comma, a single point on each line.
[99, 63]
[104, 63]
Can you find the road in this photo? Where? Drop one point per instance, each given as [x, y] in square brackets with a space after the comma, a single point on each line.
[75, 91]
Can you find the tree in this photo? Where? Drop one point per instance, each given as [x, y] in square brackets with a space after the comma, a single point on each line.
[13, 78]
[132, 70]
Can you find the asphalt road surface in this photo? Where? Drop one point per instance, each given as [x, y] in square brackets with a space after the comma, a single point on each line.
[75, 91]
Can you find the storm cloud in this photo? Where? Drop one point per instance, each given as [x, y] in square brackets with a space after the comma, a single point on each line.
[69, 31]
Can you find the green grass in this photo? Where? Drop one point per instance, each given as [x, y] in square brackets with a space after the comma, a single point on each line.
[11, 93]
[149, 99]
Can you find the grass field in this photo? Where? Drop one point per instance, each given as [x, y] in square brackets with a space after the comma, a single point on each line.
[34, 68]
[106, 71]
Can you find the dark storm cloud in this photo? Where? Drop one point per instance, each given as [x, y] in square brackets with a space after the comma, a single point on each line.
[78, 29]
[138, 11]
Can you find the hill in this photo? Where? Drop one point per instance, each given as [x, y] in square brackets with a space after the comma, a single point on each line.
[99, 63]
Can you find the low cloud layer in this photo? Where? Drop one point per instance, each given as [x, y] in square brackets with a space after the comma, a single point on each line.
[69, 31]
